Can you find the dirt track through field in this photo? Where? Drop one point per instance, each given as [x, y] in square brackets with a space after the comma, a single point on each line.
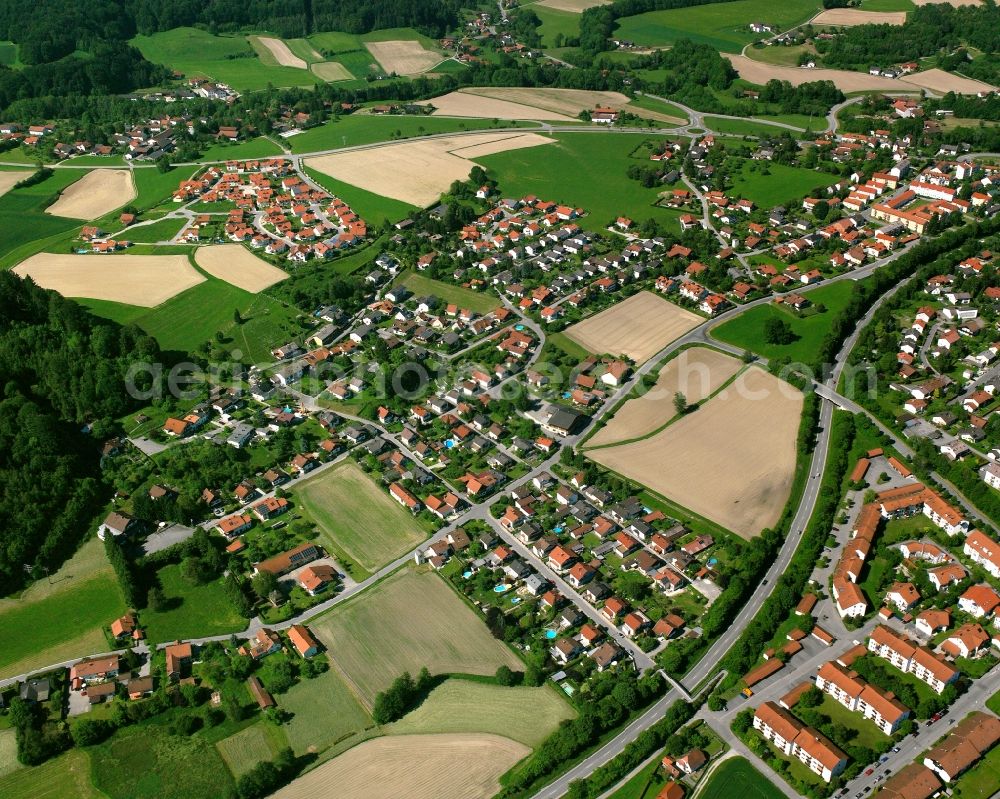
[403, 57]
[95, 194]
[560, 101]
[638, 327]
[235, 264]
[415, 766]
[143, 280]
[8, 179]
[418, 172]
[731, 461]
[853, 16]
[696, 373]
[284, 56]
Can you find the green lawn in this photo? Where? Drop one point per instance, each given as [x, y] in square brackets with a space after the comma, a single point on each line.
[63, 777]
[747, 329]
[782, 185]
[736, 778]
[782, 55]
[161, 230]
[193, 610]
[661, 106]
[261, 147]
[24, 221]
[146, 762]
[993, 703]
[887, 5]
[603, 189]
[981, 780]
[722, 25]
[478, 301]
[869, 735]
[555, 21]
[357, 517]
[743, 127]
[373, 208]
[245, 749]
[324, 712]
[229, 59]
[643, 785]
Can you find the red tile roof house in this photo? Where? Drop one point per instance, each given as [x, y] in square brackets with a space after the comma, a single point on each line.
[405, 498]
[302, 640]
[94, 670]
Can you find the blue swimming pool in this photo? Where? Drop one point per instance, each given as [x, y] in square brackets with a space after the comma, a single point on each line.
[449, 443]
[550, 634]
[519, 327]
[499, 589]
[467, 574]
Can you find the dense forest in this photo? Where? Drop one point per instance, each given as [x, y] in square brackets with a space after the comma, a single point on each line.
[61, 370]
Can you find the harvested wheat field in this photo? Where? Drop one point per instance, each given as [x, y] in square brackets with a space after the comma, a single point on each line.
[696, 373]
[331, 71]
[576, 6]
[474, 106]
[731, 461]
[561, 101]
[8, 179]
[415, 766]
[95, 194]
[235, 264]
[937, 80]
[845, 80]
[403, 57]
[638, 327]
[418, 172]
[659, 116]
[853, 16]
[281, 53]
[143, 280]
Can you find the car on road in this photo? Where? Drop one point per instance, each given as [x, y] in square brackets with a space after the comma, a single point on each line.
[869, 772]
[883, 758]
[895, 749]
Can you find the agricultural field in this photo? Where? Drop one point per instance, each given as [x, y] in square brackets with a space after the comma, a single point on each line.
[638, 327]
[403, 57]
[8, 177]
[154, 232]
[324, 712]
[732, 460]
[192, 610]
[736, 778]
[528, 715]
[604, 189]
[26, 227]
[63, 777]
[410, 620]
[725, 26]
[778, 184]
[374, 208]
[465, 103]
[261, 147]
[847, 17]
[569, 102]
[941, 82]
[747, 329]
[477, 301]
[229, 59]
[142, 280]
[418, 172]
[556, 20]
[845, 80]
[355, 516]
[236, 265]
[245, 749]
[8, 752]
[95, 194]
[415, 766]
[697, 373]
[144, 762]
[61, 617]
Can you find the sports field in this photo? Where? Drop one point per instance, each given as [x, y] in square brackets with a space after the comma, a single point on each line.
[725, 26]
[418, 172]
[236, 265]
[696, 373]
[781, 185]
[252, 745]
[95, 194]
[324, 711]
[731, 461]
[638, 327]
[355, 515]
[406, 622]
[528, 715]
[63, 777]
[736, 778]
[414, 766]
[142, 280]
[61, 617]
[480, 302]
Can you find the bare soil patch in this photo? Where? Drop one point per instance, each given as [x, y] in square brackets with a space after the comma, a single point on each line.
[235, 264]
[403, 57]
[853, 16]
[416, 766]
[638, 327]
[474, 106]
[331, 71]
[143, 280]
[284, 56]
[937, 80]
[8, 179]
[95, 194]
[731, 461]
[577, 6]
[561, 101]
[696, 373]
[417, 172]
